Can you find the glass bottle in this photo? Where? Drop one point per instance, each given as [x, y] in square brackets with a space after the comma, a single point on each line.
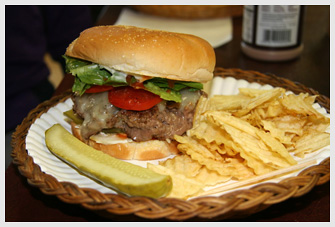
[272, 32]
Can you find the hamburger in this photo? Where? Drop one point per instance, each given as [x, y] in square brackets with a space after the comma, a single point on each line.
[135, 88]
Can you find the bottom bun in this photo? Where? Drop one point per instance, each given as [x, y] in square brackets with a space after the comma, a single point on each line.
[148, 150]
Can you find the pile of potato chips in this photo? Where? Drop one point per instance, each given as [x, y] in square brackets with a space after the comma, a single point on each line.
[235, 137]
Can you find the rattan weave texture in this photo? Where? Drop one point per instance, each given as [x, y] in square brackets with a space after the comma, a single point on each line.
[235, 204]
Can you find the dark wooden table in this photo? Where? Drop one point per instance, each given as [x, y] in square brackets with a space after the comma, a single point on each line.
[312, 68]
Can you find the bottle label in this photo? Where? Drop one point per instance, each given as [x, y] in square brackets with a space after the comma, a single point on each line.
[248, 23]
[274, 26]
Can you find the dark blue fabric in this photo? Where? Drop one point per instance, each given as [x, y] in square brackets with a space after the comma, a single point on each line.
[31, 32]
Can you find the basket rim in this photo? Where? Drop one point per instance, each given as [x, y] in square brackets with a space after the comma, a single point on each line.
[235, 204]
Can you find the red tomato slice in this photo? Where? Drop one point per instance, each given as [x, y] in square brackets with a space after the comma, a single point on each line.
[129, 98]
[98, 88]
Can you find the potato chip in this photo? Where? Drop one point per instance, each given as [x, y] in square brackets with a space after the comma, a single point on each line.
[212, 133]
[258, 100]
[256, 164]
[239, 136]
[243, 171]
[254, 141]
[291, 124]
[309, 99]
[183, 164]
[183, 187]
[199, 153]
[255, 148]
[220, 118]
[215, 149]
[228, 102]
[299, 104]
[316, 123]
[276, 132]
[276, 146]
[190, 168]
[254, 117]
[207, 132]
[210, 178]
[202, 106]
[310, 142]
[274, 109]
[203, 151]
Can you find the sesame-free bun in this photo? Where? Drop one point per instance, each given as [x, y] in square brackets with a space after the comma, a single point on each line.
[140, 51]
[148, 150]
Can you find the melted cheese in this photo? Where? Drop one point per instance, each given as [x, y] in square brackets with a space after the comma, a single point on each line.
[96, 111]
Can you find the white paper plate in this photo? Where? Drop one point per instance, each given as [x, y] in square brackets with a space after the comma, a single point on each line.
[50, 164]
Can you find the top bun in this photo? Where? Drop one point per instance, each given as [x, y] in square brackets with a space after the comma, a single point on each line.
[140, 51]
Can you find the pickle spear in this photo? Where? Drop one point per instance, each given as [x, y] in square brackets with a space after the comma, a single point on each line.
[119, 175]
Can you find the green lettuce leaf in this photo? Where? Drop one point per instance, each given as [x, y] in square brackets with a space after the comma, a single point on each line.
[174, 84]
[88, 74]
[95, 75]
[73, 63]
[79, 87]
[164, 93]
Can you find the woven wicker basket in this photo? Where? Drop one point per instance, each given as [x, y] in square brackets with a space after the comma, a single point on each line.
[236, 204]
[191, 12]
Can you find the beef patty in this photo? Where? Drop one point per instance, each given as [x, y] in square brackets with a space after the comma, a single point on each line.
[160, 122]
